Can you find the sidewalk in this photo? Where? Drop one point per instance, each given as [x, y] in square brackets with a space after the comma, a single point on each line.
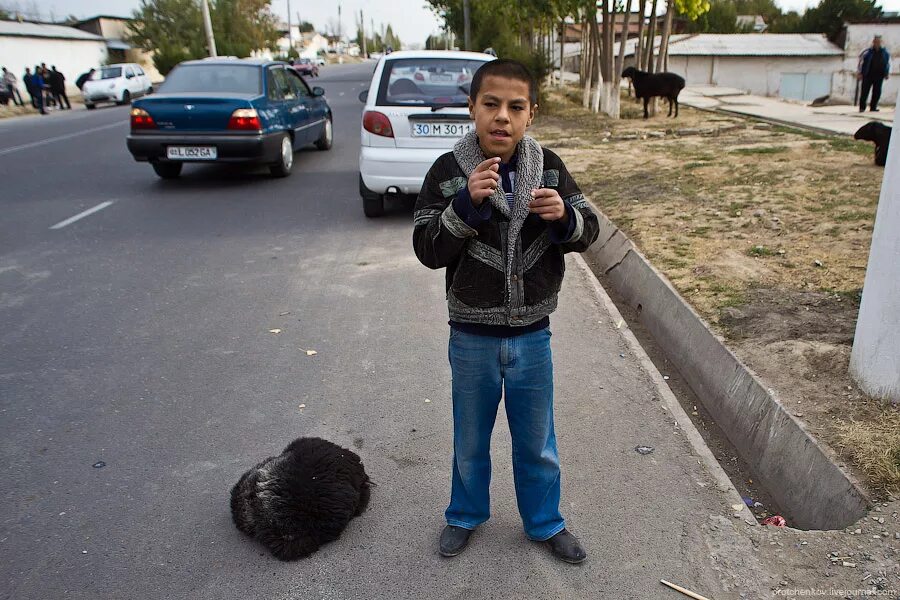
[844, 119]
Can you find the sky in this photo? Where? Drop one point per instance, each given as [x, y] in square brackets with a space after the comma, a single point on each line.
[410, 19]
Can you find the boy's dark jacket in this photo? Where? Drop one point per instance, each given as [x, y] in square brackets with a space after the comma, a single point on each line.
[505, 269]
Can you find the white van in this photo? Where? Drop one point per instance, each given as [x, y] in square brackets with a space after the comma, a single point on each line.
[416, 110]
[118, 83]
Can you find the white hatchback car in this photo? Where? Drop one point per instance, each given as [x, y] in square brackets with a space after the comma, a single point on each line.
[416, 109]
[118, 83]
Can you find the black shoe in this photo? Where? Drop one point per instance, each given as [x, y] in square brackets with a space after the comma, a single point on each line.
[566, 546]
[454, 540]
[875, 110]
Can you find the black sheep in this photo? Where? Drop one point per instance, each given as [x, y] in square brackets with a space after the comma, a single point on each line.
[873, 131]
[650, 85]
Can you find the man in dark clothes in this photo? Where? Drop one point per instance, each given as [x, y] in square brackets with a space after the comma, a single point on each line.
[49, 100]
[37, 90]
[874, 68]
[58, 87]
[79, 83]
[28, 80]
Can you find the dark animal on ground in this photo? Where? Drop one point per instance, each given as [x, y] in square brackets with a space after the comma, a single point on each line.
[650, 85]
[873, 131]
[303, 498]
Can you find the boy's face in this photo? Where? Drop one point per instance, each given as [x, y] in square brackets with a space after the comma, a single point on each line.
[502, 112]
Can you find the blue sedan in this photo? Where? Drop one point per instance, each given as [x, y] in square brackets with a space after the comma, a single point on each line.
[229, 110]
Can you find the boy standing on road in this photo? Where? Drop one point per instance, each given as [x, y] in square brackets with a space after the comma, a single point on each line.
[499, 213]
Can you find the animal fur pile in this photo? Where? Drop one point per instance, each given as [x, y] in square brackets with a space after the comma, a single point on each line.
[303, 498]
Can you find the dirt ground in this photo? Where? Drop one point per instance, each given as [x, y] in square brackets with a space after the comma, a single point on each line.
[765, 230]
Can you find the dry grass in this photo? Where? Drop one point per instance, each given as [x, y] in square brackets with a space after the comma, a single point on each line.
[875, 447]
[764, 230]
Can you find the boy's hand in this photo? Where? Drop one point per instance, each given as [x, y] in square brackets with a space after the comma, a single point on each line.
[548, 205]
[484, 180]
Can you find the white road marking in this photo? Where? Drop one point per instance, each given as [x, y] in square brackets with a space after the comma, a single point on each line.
[82, 215]
[59, 138]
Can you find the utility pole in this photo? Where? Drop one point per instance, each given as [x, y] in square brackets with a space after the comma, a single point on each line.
[340, 25]
[468, 27]
[207, 24]
[290, 35]
[875, 358]
[362, 28]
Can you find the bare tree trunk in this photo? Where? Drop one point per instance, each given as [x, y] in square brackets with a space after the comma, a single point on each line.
[583, 61]
[664, 40]
[587, 59]
[562, 49]
[639, 48]
[651, 38]
[597, 71]
[614, 108]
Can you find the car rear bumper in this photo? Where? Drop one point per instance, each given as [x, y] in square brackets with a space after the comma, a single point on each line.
[229, 148]
[404, 168]
[95, 97]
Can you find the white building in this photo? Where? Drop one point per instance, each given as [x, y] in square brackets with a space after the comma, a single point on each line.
[857, 37]
[71, 50]
[790, 65]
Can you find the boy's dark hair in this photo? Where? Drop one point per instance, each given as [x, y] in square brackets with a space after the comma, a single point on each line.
[504, 67]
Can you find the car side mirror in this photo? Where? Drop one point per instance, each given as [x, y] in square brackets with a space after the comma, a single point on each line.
[317, 91]
[364, 96]
[129, 76]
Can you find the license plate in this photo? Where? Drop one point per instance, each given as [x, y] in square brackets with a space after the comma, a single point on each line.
[441, 129]
[191, 153]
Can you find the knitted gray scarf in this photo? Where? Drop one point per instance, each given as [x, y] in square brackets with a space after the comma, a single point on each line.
[529, 171]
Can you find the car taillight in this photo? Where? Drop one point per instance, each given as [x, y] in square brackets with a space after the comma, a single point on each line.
[141, 119]
[420, 77]
[245, 119]
[377, 123]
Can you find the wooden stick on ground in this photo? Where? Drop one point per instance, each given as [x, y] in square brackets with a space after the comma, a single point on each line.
[683, 590]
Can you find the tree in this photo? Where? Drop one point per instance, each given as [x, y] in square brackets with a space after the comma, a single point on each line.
[721, 18]
[790, 22]
[242, 26]
[169, 29]
[306, 27]
[830, 15]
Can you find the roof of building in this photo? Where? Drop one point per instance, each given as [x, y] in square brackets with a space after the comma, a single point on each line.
[44, 30]
[755, 44]
[747, 44]
[96, 17]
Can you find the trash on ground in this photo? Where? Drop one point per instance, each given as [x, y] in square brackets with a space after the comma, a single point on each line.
[748, 501]
[684, 591]
[276, 330]
[99, 464]
[427, 401]
[737, 506]
[643, 449]
[284, 314]
[666, 377]
[302, 406]
[775, 521]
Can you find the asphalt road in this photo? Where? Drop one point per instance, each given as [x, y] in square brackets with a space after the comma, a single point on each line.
[139, 336]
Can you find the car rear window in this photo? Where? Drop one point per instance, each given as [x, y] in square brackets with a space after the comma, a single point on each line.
[110, 72]
[426, 81]
[228, 79]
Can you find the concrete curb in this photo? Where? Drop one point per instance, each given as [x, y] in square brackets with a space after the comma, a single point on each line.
[670, 402]
[813, 492]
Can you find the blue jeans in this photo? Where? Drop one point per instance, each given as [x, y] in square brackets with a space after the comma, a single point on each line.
[482, 367]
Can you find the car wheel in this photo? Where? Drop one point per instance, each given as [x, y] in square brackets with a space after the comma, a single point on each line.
[373, 204]
[285, 158]
[149, 90]
[168, 170]
[90, 106]
[126, 98]
[324, 142]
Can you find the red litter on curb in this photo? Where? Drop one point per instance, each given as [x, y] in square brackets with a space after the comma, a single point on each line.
[776, 521]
